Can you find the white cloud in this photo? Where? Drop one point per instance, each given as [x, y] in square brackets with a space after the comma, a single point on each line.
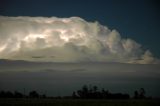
[66, 40]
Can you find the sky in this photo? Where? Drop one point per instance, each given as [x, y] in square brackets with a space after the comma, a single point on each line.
[89, 41]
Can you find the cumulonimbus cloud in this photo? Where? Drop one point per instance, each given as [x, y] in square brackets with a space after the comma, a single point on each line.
[66, 40]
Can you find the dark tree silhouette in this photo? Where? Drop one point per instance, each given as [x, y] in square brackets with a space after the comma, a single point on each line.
[18, 94]
[33, 94]
[85, 91]
[93, 93]
[142, 93]
[9, 94]
[139, 94]
[2, 94]
[136, 95]
[44, 96]
[105, 94]
[95, 88]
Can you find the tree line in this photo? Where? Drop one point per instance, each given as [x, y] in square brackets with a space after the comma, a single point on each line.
[16, 94]
[91, 92]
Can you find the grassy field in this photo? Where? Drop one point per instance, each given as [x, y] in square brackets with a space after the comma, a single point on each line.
[76, 102]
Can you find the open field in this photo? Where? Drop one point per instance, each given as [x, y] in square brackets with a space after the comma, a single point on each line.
[76, 102]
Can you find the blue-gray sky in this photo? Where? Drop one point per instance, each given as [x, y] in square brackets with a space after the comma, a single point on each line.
[136, 19]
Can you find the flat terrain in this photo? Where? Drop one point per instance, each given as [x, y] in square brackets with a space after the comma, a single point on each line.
[76, 102]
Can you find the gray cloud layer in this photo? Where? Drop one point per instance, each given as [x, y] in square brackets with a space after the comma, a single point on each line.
[66, 40]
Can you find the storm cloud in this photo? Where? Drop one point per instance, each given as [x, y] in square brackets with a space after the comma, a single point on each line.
[67, 40]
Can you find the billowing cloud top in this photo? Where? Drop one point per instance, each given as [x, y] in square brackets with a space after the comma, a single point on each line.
[66, 40]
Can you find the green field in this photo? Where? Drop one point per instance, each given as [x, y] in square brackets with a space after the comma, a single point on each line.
[76, 102]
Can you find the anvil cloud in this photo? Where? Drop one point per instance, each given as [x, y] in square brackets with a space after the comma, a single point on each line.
[66, 40]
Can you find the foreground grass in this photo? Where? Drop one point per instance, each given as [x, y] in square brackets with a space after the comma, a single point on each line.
[76, 102]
